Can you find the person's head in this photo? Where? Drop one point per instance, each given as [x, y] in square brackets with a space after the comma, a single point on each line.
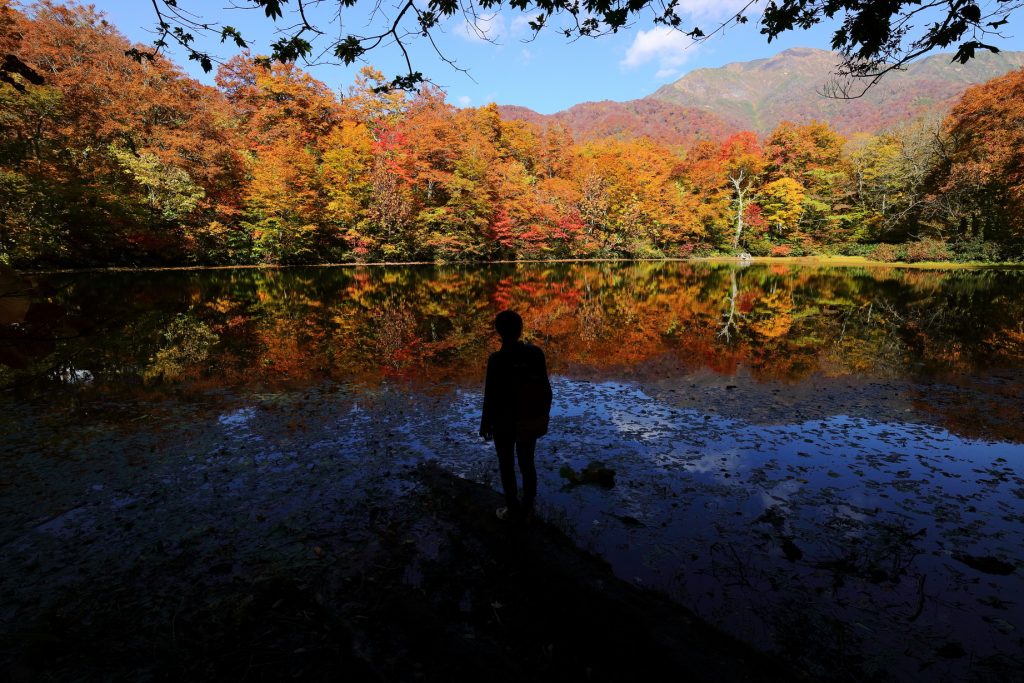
[509, 325]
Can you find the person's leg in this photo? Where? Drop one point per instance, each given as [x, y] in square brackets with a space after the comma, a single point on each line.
[526, 450]
[507, 468]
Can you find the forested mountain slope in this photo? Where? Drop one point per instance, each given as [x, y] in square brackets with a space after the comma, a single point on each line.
[665, 122]
[760, 94]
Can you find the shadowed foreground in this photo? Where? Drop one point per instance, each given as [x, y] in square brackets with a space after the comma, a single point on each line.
[441, 590]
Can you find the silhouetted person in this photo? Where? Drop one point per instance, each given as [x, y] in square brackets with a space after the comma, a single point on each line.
[517, 403]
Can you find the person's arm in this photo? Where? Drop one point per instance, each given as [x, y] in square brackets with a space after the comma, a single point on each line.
[547, 381]
[487, 414]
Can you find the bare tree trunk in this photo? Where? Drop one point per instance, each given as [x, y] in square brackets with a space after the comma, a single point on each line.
[737, 182]
[730, 317]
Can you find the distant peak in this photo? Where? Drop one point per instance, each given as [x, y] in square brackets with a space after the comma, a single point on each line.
[758, 94]
[802, 52]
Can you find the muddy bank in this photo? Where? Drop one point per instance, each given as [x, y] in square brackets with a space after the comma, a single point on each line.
[432, 588]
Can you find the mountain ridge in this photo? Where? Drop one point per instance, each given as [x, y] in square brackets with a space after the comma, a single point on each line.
[665, 122]
[757, 95]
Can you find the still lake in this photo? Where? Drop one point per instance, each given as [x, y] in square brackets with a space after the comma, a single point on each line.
[824, 462]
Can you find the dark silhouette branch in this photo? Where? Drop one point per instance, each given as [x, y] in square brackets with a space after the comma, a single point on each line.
[874, 38]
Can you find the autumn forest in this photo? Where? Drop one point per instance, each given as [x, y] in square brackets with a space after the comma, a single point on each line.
[116, 161]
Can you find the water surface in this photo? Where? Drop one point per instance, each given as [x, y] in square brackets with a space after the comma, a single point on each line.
[823, 461]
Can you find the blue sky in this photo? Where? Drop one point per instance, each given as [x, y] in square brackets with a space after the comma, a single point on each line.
[546, 74]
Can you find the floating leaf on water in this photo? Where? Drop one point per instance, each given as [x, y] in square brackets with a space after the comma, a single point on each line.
[1001, 625]
[792, 552]
[987, 564]
[629, 520]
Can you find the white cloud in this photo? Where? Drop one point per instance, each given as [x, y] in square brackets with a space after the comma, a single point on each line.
[666, 47]
[486, 27]
[521, 25]
[716, 9]
[464, 100]
[525, 55]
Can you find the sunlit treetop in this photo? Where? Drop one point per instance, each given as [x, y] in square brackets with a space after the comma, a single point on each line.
[873, 36]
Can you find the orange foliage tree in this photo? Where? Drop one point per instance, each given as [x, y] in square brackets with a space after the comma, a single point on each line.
[108, 153]
[114, 160]
[986, 132]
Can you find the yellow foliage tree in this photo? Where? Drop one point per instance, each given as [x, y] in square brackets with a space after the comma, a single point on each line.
[782, 205]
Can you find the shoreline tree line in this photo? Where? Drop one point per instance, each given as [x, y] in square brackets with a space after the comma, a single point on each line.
[115, 161]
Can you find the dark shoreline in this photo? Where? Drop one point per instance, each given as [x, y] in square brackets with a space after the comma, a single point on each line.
[440, 590]
[822, 261]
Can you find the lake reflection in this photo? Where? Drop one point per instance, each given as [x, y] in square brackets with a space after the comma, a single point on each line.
[823, 461]
[430, 325]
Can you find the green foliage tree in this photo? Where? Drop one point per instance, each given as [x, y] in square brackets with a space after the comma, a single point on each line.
[170, 192]
[891, 176]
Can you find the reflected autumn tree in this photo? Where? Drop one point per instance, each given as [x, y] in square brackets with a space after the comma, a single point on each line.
[187, 343]
[31, 324]
[431, 326]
